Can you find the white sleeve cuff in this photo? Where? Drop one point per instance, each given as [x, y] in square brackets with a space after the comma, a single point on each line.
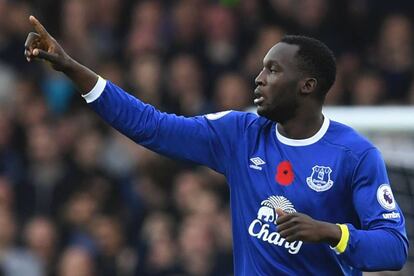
[96, 91]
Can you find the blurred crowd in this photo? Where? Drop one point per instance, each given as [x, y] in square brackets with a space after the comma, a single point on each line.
[77, 198]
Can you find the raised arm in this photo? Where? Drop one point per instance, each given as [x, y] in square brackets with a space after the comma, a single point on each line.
[41, 45]
[206, 140]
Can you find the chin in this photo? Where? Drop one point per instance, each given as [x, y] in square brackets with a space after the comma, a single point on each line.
[273, 116]
[261, 111]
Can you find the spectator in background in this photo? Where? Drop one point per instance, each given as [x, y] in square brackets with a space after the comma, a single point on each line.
[197, 248]
[186, 186]
[221, 50]
[145, 30]
[249, 11]
[120, 156]
[76, 217]
[395, 49]
[368, 89]
[87, 151]
[145, 78]
[232, 93]
[15, 261]
[12, 30]
[112, 68]
[10, 158]
[29, 107]
[114, 257]
[185, 31]
[348, 66]
[47, 174]
[75, 29]
[40, 235]
[7, 85]
[66, 132]
[150, 193]
[106, 17]
[223, 239]
[76, 261]
[158, 239]
[6, 194]
[185, 86]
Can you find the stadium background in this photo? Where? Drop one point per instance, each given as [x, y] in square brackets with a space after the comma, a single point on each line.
[77, 198]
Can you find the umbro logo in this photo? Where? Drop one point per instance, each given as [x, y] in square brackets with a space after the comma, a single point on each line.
[257, 163]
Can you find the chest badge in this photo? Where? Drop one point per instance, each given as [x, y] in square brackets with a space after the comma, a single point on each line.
[284, 173]
[320, 180]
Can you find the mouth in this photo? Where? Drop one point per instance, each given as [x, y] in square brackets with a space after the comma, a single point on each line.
[258, 98]
[258, 101]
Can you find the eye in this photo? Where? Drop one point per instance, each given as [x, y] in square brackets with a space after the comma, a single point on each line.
[273, 70]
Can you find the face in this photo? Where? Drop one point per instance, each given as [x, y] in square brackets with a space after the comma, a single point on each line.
[277, 92]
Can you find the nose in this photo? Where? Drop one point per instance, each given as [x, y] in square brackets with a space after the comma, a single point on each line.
[260, 79]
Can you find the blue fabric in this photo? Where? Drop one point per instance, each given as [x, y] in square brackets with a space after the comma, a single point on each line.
[339, 179]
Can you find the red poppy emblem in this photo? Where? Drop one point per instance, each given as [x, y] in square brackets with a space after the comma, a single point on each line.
[284, 173]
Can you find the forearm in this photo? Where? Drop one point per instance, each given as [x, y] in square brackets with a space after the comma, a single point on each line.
[375, 250]
[83, 77]
[173, 136]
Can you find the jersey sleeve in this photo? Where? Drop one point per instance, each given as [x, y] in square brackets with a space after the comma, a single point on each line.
[208, 140]
[381, 242]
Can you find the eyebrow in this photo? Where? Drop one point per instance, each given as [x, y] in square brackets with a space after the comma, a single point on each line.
[271, 62]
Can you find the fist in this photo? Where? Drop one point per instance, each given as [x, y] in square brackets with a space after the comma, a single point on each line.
[41, 45]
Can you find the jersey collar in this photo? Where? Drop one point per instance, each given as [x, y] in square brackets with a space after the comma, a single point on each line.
[304, 142]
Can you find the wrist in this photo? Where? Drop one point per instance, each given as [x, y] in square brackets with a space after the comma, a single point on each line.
[83, 77]
[343, 243]
[330, 233]
[69, 65]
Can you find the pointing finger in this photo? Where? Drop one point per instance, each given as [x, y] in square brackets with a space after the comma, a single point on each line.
[38, 27]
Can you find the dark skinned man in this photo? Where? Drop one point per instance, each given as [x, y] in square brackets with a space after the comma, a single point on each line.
[309, 196]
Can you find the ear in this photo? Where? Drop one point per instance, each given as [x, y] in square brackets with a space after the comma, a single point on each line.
[308, 85]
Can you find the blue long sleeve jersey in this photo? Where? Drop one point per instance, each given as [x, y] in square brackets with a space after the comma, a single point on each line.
[335, 176]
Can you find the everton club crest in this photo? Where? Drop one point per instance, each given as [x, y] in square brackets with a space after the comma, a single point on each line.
[320, 180]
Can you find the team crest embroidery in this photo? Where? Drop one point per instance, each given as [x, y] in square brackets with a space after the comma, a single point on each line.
[264, 226]
[320, 180]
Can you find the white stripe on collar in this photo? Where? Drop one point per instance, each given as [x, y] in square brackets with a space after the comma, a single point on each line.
[304, 142]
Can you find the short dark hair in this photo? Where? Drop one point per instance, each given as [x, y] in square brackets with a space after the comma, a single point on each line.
[315, 59]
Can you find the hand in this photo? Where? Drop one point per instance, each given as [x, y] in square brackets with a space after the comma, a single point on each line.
[301, 227]
[42, 45]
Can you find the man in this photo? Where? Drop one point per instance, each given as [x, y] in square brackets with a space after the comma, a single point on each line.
[308, 195]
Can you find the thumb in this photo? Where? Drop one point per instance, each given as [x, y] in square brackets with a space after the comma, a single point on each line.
[280, 212]
[42, 54]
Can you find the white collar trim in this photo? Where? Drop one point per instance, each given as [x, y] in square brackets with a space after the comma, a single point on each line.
[304, 142]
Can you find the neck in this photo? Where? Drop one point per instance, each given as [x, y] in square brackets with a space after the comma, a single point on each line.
[303, 125]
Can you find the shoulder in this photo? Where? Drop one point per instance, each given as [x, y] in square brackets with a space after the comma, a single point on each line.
[349, 139]
[234, 119]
